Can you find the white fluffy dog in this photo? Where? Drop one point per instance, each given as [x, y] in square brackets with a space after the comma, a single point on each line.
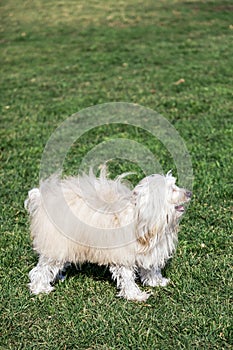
[98, 220]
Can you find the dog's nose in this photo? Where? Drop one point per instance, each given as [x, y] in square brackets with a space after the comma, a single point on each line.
[188, 194]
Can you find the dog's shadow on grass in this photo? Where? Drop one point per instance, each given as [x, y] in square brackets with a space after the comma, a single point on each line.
[96, 272]
[99, 273]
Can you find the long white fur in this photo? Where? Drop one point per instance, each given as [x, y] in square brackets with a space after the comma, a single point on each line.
[88, 219]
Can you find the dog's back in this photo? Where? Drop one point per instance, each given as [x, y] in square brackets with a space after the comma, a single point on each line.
[72, 217]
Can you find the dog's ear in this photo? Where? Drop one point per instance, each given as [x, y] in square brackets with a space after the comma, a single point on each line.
[146, 238]
[151, 209]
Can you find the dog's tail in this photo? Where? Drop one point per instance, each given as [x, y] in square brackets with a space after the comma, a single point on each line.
[33, 200]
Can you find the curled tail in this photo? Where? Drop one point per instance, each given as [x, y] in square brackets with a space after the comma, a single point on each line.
[33, 201]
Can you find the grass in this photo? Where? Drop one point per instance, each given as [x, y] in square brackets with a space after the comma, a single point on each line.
[60, 57]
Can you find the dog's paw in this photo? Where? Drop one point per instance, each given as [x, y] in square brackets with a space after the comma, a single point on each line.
[134, 295]
[157, 282]
[40, 288]
[164, 282]
[142, 296]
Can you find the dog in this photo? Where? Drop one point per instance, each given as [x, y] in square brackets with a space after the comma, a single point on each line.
[98, 220]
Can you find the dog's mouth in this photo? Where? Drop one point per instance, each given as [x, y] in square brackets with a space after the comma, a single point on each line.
[180, 208]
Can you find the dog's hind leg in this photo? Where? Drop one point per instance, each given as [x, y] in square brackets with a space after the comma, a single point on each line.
[125, 278]
[44, 274]
[153, 277]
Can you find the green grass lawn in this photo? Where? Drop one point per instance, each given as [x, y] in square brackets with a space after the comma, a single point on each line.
[59, 57]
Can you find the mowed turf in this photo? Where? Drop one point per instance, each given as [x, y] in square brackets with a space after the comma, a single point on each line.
[175, 57]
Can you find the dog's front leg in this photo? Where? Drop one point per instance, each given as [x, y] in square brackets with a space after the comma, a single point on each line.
[44, 274]
[153, 277]
[125, 278]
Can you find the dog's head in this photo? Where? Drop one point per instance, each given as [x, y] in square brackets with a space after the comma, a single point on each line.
[176, 196]
[159, 202]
